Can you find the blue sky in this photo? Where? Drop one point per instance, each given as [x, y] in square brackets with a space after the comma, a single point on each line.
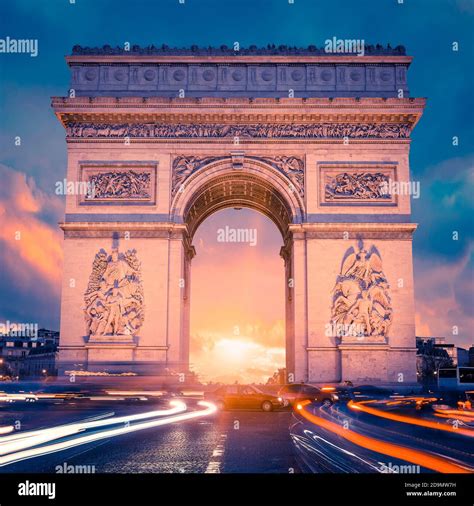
[426, 27]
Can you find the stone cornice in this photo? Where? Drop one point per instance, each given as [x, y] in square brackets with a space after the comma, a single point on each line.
[350, 231]
[135, 230]
[257, 102]
[237, 110]
[139, 229]
[292, 59]
[390, 231]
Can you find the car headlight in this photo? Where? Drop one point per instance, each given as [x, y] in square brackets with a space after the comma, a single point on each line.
[280, 399]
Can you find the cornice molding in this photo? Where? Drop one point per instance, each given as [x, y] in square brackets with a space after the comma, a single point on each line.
[351, 231]
[135, 110]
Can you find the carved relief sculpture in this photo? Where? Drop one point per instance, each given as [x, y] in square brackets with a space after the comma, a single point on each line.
[126, 184]
[361, 302]
[291, 166]
[364, 186]
[184, 166]
[266, 131]
[114, 296]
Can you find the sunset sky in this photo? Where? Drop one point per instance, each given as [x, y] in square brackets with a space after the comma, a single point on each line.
[250, 277]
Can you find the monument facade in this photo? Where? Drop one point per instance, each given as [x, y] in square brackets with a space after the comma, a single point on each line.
[317, 142]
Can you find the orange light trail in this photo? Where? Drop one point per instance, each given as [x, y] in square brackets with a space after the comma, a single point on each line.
[455, 412]
[407, 400]
[418, 457]
[408, 419]
[458, 417]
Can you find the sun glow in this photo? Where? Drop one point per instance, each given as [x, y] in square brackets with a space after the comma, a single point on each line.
[234, 350]
[228, 359]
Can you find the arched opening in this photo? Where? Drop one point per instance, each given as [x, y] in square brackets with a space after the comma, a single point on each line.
[218, 206]
[237, 321]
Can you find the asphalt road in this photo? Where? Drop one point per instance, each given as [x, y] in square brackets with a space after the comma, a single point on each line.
[153, 434]
[224, 442]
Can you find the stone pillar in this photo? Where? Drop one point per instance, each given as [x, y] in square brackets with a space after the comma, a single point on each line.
[286, 253]
[178, 301]
[300, 304]
[387, 355]
[324, 363]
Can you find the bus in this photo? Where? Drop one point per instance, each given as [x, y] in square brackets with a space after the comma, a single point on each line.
[456, 378]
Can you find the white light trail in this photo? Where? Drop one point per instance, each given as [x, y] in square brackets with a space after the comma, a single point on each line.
[22, 440]
[88, 438]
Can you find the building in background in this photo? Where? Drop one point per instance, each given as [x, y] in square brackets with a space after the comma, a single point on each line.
[49, 336]
[29, 357]
[434, 353]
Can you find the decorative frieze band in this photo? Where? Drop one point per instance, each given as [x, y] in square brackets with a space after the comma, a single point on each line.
[259, 131]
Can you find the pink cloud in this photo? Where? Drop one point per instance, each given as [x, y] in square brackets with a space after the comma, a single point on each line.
[31, 248]
[441, 291]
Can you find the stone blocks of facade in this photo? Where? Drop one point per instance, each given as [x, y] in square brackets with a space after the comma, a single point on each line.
[160, 232]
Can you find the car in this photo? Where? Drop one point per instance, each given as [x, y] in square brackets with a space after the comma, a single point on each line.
[295, 392]
[243, 397]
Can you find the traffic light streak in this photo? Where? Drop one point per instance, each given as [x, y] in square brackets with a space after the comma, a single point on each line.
[418, 457]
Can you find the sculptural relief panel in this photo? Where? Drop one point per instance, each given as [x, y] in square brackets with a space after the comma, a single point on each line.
[118, 183]
[357, 184]
[361, 310]
[114, 302]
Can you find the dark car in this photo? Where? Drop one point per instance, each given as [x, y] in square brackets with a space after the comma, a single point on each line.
[242, 397]
[289, 394]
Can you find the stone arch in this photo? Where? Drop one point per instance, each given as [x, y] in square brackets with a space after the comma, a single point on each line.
[254, 184]
[257, 185]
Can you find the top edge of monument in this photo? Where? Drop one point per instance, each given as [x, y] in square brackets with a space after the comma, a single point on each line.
[223, 50]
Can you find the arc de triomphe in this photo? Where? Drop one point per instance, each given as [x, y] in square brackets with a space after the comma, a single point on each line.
[160, 139]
